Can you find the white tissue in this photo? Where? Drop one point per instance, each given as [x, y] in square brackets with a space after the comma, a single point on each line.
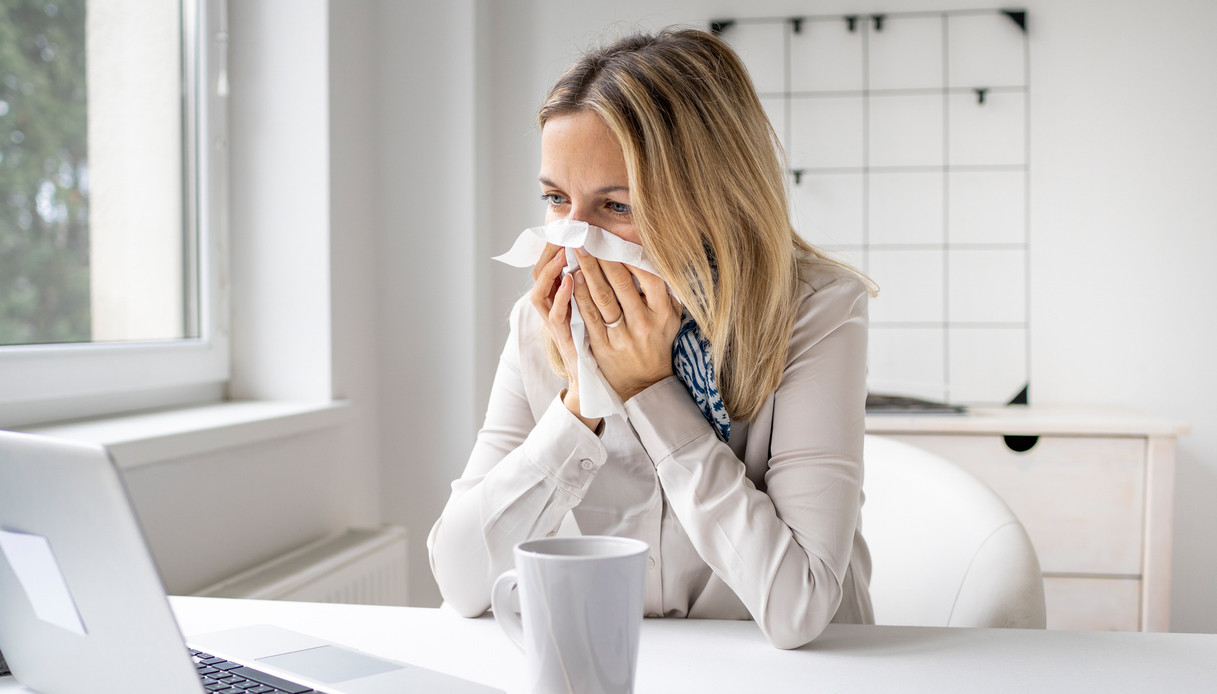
[596, 397]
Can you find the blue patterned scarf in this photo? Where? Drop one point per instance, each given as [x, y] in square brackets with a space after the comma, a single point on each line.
[693, 366]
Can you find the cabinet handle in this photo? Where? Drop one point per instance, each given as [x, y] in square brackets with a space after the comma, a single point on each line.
[1021, 444]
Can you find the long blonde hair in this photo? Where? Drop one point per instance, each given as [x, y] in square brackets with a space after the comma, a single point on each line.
[707, 188]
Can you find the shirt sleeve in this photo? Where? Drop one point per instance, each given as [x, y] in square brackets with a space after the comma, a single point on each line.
[784, 551]
[522, 478]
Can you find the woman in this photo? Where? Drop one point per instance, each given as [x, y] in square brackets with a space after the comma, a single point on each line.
[661, 140]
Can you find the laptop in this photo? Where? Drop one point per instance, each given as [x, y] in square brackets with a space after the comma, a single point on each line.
[82, 607]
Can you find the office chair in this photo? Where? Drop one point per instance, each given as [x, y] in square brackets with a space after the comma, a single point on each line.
[945, 549]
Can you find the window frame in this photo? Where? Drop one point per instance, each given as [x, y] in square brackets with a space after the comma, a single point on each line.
[42, 383]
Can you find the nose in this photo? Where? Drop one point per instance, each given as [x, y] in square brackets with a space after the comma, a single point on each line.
[580, 212]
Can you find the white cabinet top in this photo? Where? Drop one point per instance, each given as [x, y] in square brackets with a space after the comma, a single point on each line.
[1030, 420]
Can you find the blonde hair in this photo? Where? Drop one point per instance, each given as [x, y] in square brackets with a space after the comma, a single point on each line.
[708, 194]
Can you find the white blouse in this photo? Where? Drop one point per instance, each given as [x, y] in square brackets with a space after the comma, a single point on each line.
[765, 527]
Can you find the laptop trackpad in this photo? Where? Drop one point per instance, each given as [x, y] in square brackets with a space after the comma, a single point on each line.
[330, 664]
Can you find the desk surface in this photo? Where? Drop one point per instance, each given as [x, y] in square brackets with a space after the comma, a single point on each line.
[717, 656]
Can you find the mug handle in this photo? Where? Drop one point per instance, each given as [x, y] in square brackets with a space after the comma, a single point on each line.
[504, 613]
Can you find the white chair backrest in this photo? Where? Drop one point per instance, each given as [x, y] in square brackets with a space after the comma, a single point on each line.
[945, 549]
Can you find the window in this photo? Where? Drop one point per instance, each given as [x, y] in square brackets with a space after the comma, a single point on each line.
[113, 125]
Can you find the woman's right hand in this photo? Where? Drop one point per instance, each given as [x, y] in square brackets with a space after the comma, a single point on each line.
[551, 297]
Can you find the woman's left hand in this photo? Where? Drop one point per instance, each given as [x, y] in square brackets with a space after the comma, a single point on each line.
[637, 351]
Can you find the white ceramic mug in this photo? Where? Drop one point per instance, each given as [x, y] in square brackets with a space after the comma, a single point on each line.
[581, 605]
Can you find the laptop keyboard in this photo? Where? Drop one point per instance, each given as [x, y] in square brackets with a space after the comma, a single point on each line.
[226, 677]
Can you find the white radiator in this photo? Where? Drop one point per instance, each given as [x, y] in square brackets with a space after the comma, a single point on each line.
[364, 566]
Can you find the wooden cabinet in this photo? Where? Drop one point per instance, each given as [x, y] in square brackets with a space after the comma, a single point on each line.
[1092, 485]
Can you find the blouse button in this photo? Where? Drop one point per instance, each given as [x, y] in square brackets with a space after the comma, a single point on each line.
[586, 464]
[650, 562]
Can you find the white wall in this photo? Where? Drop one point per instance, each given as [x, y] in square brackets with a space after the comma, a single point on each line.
[304, 238]
[425, 276]
[1124, 162]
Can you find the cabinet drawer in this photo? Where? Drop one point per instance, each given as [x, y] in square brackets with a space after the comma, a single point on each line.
[1093, 604]
[1081, 499]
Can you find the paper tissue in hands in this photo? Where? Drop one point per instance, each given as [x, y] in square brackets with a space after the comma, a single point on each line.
[596, 397]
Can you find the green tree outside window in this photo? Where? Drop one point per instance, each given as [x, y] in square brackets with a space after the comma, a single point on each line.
[44, 175]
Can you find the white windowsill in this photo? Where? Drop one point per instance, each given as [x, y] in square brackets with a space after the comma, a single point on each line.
[154, 437]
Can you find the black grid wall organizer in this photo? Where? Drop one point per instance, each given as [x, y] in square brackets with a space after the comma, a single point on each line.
[907, 137]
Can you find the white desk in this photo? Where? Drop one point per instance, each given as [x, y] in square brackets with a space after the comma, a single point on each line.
[712, 656]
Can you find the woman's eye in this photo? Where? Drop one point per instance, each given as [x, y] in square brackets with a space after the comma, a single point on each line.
[619, 208]
[553, 199]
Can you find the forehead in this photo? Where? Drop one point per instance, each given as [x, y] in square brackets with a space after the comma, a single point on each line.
[580, 144]
[584, 125]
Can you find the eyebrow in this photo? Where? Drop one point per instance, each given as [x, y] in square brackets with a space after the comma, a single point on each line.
[602, 191]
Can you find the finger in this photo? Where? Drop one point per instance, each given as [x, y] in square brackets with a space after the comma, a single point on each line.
[653, 288]
[559, 312]
[547, 281]
[547, 256]
[592, 320]
[546, 276]
[677, 307]
[606, 306]
[622, 281]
